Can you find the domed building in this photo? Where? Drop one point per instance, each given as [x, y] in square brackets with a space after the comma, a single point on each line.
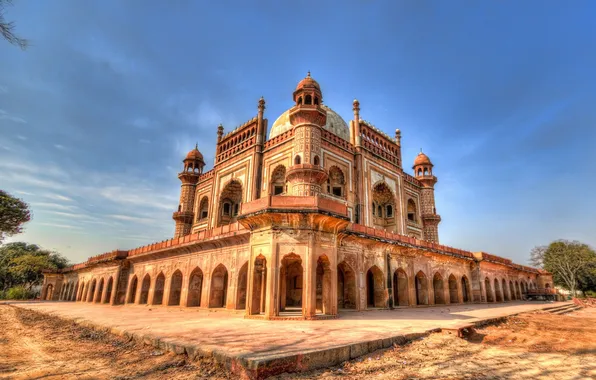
[311, 216]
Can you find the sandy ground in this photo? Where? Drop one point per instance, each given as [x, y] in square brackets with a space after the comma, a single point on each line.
[529, 346]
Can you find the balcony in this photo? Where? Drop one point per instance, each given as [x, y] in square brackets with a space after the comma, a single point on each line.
[281, 203]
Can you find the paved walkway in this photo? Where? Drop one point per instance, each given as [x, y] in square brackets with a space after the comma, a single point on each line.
[233, 335]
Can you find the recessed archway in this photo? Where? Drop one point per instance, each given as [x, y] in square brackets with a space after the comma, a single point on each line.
[439, 289]
[145, 286]
[512, 291]
[241, 287]
[219, 287]
[132, 290]
[346, 286]
[259, 285]
[109, 289]
[80, 291]
[400, 288]
[160, 283]
[175, 288]
[323, 285]
[498, 293]
[195, 287]
[453, 291]
[489, 291]
[375, 288]
[421, 284]
[465, 289]
[505, 290]
[291, 282]
[92, 290]
[49, 292]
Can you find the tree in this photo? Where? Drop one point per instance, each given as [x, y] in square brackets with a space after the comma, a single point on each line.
[537, 256]
[569, 262]
[13, 214]
[7, 28]
[21, 264]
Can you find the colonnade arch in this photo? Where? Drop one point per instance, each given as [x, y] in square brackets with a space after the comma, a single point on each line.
[109, 287]
[401, 296]
[132, 290]
[195, 288]
[375, 288]
[160, 283]
[259, 285]
[346, 287]
[490, 296]
[465, 289]
[421, 286]
[219, 287]
[453, 291]
[91, 290]
[323, 285]
[291, 281]
[145, 286]
[242, 287]
[175, 295]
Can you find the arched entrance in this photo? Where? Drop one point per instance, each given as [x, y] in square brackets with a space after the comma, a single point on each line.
[259, 285]
[132, 290]
[109, 287]
[175, 289]
[73, 295]
[400, 288]
[489, 291]
[439, 289]
[80, 292]
[99, 290]
[92, 291]
[375, 288]
[323, 284]
[464, 289]
[346, 286]
[160, 283]
[421, 284]
[291, 281]
[241, 287]
[219, 287]
[195, 287]
[145, 286]
[512, 291]
[49, 292]
[505, 290]
[453, 293]
[498, 294]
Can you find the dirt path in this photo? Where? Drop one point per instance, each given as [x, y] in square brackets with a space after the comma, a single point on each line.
[529, 346]
[34, 346]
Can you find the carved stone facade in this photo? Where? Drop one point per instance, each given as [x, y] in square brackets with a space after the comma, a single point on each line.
[318, 217]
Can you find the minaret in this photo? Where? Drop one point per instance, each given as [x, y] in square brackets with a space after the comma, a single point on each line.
[258, 155]
[193, 168]
[423, 171]
[306, 174]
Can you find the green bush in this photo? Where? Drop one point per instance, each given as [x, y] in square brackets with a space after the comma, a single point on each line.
[19, 293]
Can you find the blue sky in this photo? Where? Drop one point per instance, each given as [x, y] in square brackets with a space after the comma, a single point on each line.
[97, 114]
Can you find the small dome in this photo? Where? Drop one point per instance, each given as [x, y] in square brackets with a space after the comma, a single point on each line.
[335, 124]
[422, 159]
[308, 82]
[194, 155]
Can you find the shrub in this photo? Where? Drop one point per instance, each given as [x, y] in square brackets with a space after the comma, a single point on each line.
[19, 293]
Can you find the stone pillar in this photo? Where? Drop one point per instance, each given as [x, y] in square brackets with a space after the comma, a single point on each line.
[309, 292]
[476, 280]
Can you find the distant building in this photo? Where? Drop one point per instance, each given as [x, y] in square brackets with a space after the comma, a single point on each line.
[321, 216]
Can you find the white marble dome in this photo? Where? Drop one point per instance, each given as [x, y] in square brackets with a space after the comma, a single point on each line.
[335, 124]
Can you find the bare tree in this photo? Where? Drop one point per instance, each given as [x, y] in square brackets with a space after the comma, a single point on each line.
[537, 256]
[7, 27]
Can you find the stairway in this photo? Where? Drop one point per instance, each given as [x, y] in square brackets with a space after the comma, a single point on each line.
[563, 309]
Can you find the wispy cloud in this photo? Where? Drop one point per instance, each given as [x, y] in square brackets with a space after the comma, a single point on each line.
[6, 116]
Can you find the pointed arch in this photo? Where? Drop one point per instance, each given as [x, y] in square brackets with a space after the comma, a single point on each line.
[346, 286]
[512, 296]
[401, 291]
[498, 293]
[336, 182]
[439, 289]
[465, 289]
[160, 282]
[175, 288]
[219, 287]
[241, 287]
[132, 289]
[490, 296]
[92, 290]
[259, 285]
[384, 198]
[412, 211]
[291, 282]
[421, 283]
[323, 285]
[229, 202]
[203, 208]
[453, 291]
[278, 180]
[109, 286]
[80, 293]
[375, 287]
[195, 288]
[505, 290]
[145, 287]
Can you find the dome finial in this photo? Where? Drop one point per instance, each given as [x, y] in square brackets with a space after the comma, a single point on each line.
[308, 74]
[197, 145]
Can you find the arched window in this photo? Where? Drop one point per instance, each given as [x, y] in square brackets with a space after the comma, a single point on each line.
[316, 100]
[297, 160]
[389, 211]
[374, 209]
[384, 199]
[308, 99]
[316, 161]
[278, 180]
[337, 182]
[425, 171]
[412, 210]
[203, 208]
[300, 100]
[230, 200]
[419, 172]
